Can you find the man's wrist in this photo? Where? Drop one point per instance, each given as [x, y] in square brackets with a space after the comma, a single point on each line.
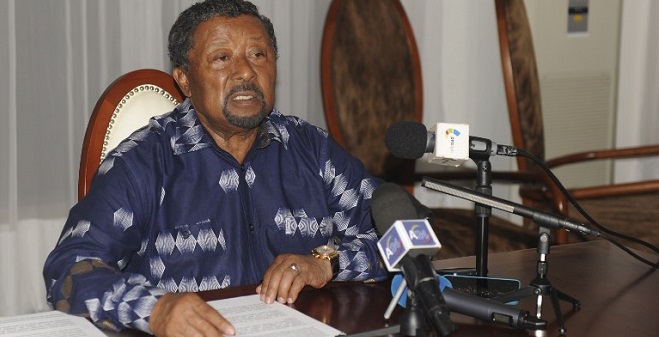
[329, 253]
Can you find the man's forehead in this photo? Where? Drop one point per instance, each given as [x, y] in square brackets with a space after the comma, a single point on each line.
[247, 25]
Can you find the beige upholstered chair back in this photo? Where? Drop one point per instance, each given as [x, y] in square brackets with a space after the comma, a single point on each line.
[125, 106]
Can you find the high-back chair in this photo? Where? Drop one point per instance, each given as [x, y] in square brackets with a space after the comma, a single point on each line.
[371, 78]
[522, 88]
[125, 106]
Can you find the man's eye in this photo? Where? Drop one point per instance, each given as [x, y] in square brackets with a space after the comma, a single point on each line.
[221, 58]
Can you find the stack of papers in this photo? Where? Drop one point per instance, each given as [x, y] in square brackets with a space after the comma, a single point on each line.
[248, 314]
[253, 318]
[48, 324]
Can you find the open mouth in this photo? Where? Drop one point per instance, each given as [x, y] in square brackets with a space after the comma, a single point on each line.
[244, 97]
[246, 93]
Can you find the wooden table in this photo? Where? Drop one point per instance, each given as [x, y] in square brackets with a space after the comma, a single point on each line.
[619, 295]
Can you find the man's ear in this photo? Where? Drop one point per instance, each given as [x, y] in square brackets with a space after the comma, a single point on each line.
[182, 79]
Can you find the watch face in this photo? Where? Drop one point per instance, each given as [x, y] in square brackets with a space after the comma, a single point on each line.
[325, 250]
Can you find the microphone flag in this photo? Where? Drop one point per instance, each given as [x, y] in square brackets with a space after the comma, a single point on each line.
[451, 144]
[407, 237]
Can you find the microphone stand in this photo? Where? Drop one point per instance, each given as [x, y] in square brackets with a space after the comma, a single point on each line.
[412, 323]
[483, 185]
[541, 286]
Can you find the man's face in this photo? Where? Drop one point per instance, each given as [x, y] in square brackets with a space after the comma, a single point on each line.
[231, 75]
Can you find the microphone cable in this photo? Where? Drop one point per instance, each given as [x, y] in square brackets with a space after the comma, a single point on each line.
[602, 228]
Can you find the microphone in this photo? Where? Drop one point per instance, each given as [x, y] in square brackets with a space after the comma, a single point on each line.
[483, 308]
[405, 235]
[447, 143]
[405, 246]
[541, 218]
[391, 202]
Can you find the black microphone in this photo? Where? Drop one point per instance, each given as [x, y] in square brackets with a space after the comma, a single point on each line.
[390, 203]
[411, 140]
[541, 218]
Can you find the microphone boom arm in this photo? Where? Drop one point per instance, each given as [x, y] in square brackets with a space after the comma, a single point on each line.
[541, 218]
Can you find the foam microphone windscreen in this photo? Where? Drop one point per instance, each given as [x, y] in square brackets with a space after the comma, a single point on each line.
[391, 202]
[406, 139]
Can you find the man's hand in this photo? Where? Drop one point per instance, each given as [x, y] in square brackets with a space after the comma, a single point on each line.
[284, 283]
[186, 314]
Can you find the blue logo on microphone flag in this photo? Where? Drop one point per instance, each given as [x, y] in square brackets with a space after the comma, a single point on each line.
[407, 237]
[418, 232]
[394, 249]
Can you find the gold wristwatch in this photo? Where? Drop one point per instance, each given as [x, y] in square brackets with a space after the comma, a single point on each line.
[329, 253]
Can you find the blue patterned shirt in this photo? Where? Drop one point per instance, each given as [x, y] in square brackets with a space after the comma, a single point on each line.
[169, 211]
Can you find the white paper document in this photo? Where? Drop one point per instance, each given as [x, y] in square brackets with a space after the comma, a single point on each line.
[253, 318]
[48, 324]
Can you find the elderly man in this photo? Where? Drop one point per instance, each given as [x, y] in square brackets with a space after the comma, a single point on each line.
[224, 190]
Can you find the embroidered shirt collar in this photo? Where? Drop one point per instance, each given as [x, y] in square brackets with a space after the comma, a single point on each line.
[190, 135]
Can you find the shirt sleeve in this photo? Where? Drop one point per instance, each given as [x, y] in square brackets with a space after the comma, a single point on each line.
[84, 274]
[350, 189]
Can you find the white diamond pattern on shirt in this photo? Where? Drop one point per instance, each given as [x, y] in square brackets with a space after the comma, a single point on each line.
[284, 136]
[94, 307]
[341, 221]
[80, 229]
[279, 133]
[145, 244]
[65, 235]
[123, 218]
[188, 137]
[207, 240]
[165, 244]
[339, 186]
[221, 240]
[123, 262]
[322, 132]
[280, 219]
[157, 267]
[191, 284]
[168, 284]
[188, 284]
[348, 199]
[290, 225]
[329, 173]
[366, 188]
[250, 176]
[192, 135]
[326, 227]
[144, 305]
[186, 243]
[306, 226]
[188, 120]
[209, 283]
[226, 282]
[162, 195]
[229, 180]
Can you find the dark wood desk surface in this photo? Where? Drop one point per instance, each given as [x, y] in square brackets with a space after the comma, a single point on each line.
[619, 295]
